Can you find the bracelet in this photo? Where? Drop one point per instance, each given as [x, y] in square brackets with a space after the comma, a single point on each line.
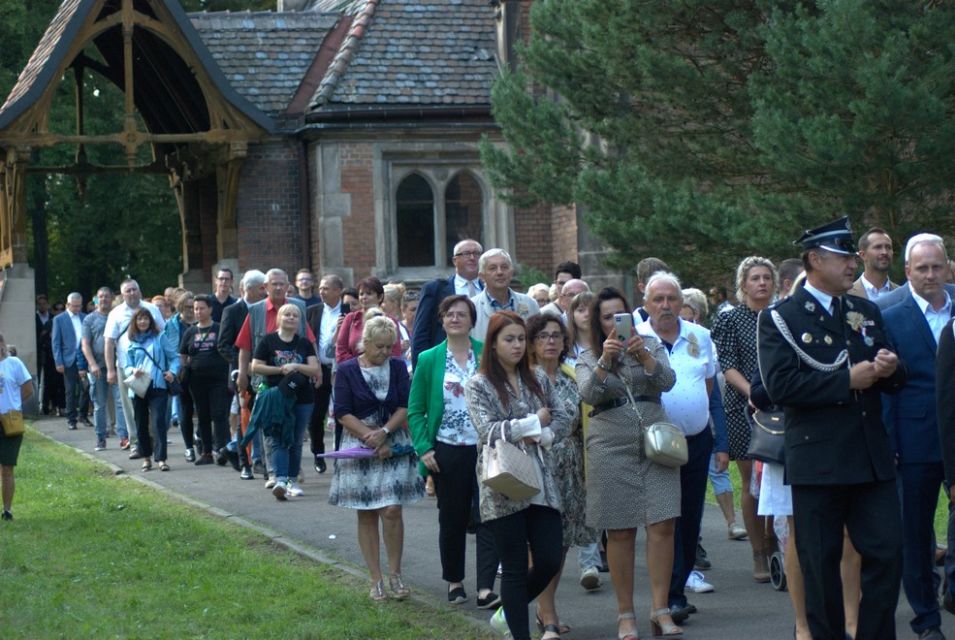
[601, 365]
[385, 429]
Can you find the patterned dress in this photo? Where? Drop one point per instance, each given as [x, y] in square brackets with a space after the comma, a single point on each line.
[568, 454]
[734, 334]
[625, 489]
[371, 483]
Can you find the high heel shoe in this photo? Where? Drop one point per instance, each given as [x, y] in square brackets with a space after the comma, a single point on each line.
[377, 592]
[662, 629]
[398, 588]
[629, 635]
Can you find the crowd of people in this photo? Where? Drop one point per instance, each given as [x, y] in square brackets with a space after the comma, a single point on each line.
[425, 389]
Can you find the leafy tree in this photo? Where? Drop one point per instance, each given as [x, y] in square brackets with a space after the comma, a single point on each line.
[701, 132]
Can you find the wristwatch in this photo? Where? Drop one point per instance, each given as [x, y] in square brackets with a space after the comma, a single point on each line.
[385, 429]
[601, 365]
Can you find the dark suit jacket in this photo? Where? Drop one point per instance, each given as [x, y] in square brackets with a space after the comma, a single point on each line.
[313, 316]
[945, 399]
[910, 414]
[63, 342]
[834, 435]
[428, 331]
[898, 295]
[233, 317]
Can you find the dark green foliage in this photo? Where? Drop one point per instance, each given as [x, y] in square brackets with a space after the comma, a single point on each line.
[702, 132]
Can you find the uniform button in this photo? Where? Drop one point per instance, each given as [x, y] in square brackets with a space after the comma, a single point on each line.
[847, 343]
[863, 414]
[805, 437]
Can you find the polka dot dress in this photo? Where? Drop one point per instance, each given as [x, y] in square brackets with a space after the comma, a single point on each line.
[734, 333]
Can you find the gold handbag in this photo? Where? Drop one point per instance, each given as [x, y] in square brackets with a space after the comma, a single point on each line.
[663, 442]
[13, 424]
[509, 469]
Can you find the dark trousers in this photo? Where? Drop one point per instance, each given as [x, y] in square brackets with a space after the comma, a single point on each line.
[871, 513]
[210, 394]
[919, 485]
[316, 427]
[540, 529]
[151, 410]
[77, 396]
[186, 411]
[456, 489]
[693, 477]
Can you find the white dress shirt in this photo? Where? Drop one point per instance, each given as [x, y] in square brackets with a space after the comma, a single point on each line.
[77, 326]
[936, 319]
[461, 286]
[326, 348]
[872, 292]
[693, 359]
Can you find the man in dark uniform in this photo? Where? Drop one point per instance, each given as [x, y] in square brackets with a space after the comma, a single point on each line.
[825, 357]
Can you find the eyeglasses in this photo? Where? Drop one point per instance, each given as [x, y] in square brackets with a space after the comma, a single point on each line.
[468, 254]
[456, 315]
[550, 337]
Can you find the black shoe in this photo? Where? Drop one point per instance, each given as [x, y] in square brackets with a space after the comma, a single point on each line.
[204, 459]
[948, 602]
[489, 601]
[135, 455]
[457, 595]
[233, 458]
[680, 614]
[321, 467]
[247, 473]
[86, 421]
[71, 426]
[221, 458]
[702, 562]
[933, 633]
[6, 515]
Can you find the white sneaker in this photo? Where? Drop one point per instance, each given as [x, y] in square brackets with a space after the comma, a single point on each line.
[590, 578]
[697, 584]
[294, 490]
[270, 482]
[735, 532]
[499, 624]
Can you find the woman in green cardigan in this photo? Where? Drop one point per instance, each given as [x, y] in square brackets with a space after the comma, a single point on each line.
[447, 445]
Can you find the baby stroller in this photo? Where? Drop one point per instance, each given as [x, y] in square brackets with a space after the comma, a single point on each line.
[777, 562]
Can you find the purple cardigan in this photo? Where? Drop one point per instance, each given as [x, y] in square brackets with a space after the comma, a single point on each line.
[353, 396]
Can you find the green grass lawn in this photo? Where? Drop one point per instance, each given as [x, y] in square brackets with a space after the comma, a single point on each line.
[941, 512]
[91, 555]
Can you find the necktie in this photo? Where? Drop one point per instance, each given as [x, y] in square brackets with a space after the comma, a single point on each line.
[836, 308]
[472, 289]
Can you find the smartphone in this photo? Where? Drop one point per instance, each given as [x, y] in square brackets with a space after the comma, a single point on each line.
[623, 324]
[346, 308]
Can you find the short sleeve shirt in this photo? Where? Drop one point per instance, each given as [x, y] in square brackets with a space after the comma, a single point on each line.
[275, 352]
[13, 373]
[94, 325]
[201, 345]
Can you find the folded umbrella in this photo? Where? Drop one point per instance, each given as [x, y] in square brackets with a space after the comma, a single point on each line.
[365, 452]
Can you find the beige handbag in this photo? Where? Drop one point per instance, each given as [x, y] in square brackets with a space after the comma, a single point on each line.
[509, 469]
[663, 442]
[12, 423]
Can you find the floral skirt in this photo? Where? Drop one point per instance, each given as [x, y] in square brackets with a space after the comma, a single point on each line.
[371, 483]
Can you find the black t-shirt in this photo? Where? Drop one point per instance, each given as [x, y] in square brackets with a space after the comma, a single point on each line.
[201, 347]
[218, 307]
[275, 352]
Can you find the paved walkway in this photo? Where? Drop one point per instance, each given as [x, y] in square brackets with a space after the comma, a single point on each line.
[739, 608]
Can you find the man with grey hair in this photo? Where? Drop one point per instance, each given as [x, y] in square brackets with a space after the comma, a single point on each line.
[94, 349]
[914, 326]
[428, 330]
[116, 342]
[899, 294]
[251, 290]
[566, 294]
[496, 270]
[687, 404]
[67, 334]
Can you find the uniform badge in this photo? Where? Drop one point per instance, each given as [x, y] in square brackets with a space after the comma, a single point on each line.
[827, 339]
[806, 338]
[810, 306]
[849, 303]
[869, 341]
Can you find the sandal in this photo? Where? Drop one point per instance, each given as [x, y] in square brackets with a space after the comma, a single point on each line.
[552, 629]
[377, 592]
[662, 629]
[163, 466]
[398, 588]
[561, 628]
[629, 635]
[147, 465]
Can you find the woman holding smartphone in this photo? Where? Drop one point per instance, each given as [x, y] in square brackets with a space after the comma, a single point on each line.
[620, 369]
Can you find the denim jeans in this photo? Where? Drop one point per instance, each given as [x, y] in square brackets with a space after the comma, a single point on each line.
[588, 556]
[152, 409]
[100, 392]
[287, 461]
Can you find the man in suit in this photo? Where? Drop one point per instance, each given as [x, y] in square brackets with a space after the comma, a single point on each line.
[324, 319]
[899, 294]
[496, 270]
[45, 366]
[825, 357]
[428, 331]
[67, 336]
[945, 406]
[252, 289]
[875, 250]
[914, 326]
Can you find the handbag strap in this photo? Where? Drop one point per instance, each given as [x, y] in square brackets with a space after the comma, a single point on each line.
[149, 355]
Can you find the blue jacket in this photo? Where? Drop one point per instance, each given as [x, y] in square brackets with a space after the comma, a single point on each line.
[910, 415]
[428, 330]
[162, 352]
[65, 349]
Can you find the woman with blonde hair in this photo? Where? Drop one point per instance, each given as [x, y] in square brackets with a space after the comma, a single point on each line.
[371, 402]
